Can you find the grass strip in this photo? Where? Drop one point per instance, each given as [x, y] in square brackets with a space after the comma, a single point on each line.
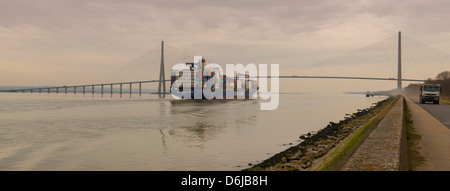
[415, 159]
[354, 139]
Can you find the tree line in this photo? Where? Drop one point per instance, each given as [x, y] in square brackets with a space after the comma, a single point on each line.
[443, 79]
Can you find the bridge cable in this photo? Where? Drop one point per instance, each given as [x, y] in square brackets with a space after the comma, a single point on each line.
[442, 64]
[390, 62]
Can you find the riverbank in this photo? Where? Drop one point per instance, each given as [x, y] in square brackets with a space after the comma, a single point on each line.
[315, 145]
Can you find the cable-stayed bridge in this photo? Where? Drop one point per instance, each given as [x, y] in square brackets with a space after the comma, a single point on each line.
[386, 66]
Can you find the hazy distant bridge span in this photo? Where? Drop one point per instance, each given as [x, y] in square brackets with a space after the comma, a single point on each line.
[74, 88]
[352, 78]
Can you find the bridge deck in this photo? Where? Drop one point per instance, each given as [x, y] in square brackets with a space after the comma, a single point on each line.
[152, 81]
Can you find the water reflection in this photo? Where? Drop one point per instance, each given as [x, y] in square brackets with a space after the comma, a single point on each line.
[198, 134]
[163, 140]
[202, 120]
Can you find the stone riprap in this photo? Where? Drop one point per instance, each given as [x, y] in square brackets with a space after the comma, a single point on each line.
[316, 145]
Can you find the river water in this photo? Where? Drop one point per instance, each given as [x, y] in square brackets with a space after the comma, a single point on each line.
[91, 132]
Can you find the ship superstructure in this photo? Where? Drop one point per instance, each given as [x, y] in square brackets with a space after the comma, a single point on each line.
[239, 86]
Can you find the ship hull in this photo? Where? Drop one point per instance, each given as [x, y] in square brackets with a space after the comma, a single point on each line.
[243, 95]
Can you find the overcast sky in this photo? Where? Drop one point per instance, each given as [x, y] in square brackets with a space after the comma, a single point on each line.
[55, 42]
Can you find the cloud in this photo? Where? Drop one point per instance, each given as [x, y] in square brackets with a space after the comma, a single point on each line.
[98, 36]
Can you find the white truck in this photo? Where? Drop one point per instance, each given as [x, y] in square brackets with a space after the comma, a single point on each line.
[429, 92]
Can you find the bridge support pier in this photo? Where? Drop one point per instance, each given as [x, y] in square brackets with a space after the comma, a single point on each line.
[130, 87]
[84, 89]
[102, 89]
[120, 89]
[93, 89]
[111, 89]
[140, 88]
[75, 90]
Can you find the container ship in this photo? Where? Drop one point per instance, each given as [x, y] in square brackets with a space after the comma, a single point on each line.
[239, 85]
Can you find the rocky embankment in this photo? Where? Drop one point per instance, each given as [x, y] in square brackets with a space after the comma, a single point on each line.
[316, 145]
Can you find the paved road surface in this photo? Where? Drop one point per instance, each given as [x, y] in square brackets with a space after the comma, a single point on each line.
[435, 142]
[440, 112]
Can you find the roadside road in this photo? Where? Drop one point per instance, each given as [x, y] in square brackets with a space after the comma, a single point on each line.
[428, 120]
[440, 112]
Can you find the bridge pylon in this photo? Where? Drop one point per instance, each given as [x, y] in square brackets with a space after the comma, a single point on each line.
[162, 76]
[399, 77]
